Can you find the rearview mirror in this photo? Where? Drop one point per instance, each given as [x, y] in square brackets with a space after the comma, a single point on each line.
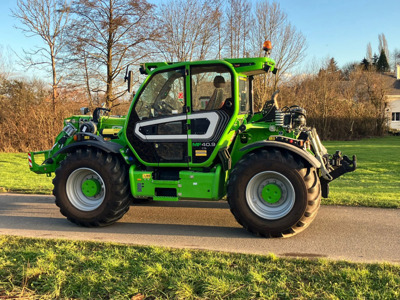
[129, 78]
[84, 110]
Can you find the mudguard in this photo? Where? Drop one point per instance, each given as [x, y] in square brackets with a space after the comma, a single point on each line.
[50, 164]
[108, 147]
[296, 150]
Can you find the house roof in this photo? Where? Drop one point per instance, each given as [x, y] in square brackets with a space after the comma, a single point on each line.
[392, 83]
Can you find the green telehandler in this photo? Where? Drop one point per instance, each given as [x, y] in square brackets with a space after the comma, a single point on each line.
[192, 133]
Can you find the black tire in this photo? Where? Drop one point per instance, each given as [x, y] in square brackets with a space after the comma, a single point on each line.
[108, 196]
[299, 193]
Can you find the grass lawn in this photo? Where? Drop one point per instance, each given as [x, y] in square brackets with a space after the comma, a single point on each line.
[375, 183]
[46, 269]
[16, 177]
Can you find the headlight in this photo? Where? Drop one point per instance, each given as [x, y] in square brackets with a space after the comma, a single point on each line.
[69, 129]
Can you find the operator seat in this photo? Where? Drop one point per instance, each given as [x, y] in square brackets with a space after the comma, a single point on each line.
[217, 98]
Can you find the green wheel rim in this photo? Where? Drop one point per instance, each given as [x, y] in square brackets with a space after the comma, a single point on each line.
[91, 187]
[271, 193]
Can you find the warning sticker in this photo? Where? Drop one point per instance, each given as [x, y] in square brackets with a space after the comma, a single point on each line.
[201, 153]
[146, 176]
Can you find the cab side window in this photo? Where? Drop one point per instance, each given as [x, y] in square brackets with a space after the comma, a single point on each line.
[211, 87]
[244, 92]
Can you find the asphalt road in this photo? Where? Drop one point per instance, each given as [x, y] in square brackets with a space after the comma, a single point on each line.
[349, 233]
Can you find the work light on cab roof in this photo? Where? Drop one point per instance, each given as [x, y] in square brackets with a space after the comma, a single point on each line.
[267, 47]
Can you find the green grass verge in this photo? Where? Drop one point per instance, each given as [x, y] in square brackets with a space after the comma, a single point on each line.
[16, 177]
[375, 183]
[51, 269]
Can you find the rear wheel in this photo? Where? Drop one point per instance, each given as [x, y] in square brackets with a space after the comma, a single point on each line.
[92, 188]
[272, 194]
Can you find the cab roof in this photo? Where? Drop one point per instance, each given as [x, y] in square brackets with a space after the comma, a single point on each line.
[246, 66]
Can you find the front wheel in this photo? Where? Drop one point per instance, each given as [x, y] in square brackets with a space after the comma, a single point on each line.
[272, 194]
[92, 188]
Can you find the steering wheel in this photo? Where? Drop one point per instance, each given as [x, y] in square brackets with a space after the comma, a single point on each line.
[161, 108]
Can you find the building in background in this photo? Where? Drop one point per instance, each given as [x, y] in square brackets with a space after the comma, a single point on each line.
[393, 102]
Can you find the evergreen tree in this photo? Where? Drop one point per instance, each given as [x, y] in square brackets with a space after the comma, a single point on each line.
[382, 65]
[332, 66]
[365, 64]
[375, 59]
[331, 70]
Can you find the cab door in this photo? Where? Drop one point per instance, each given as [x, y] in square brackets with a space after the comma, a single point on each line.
[157, 126]
[211, 108]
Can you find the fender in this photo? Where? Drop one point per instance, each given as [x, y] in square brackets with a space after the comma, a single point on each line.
[274, 144]
[108, 147]
[50, 164]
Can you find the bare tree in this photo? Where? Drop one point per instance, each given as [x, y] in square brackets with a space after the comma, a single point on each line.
[270, 21]
[369, 53]
[340, 108]
[383, 45]
[82, 73]
[372, 89]
[288, 43]
[6, 63]
[111, 34]
[48, 20]
[190, 29]
[289, 50]
[396, 58]
[238, 25]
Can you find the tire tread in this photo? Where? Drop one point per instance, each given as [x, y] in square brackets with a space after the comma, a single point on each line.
[308, 174]
[119, 189]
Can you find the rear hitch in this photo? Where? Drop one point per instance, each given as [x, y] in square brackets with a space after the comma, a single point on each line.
[342, 164]
[339, 164]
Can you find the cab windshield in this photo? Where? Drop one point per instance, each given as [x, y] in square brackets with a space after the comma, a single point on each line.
[164, 95]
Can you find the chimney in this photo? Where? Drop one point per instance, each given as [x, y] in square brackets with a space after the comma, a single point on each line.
[398, 71]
